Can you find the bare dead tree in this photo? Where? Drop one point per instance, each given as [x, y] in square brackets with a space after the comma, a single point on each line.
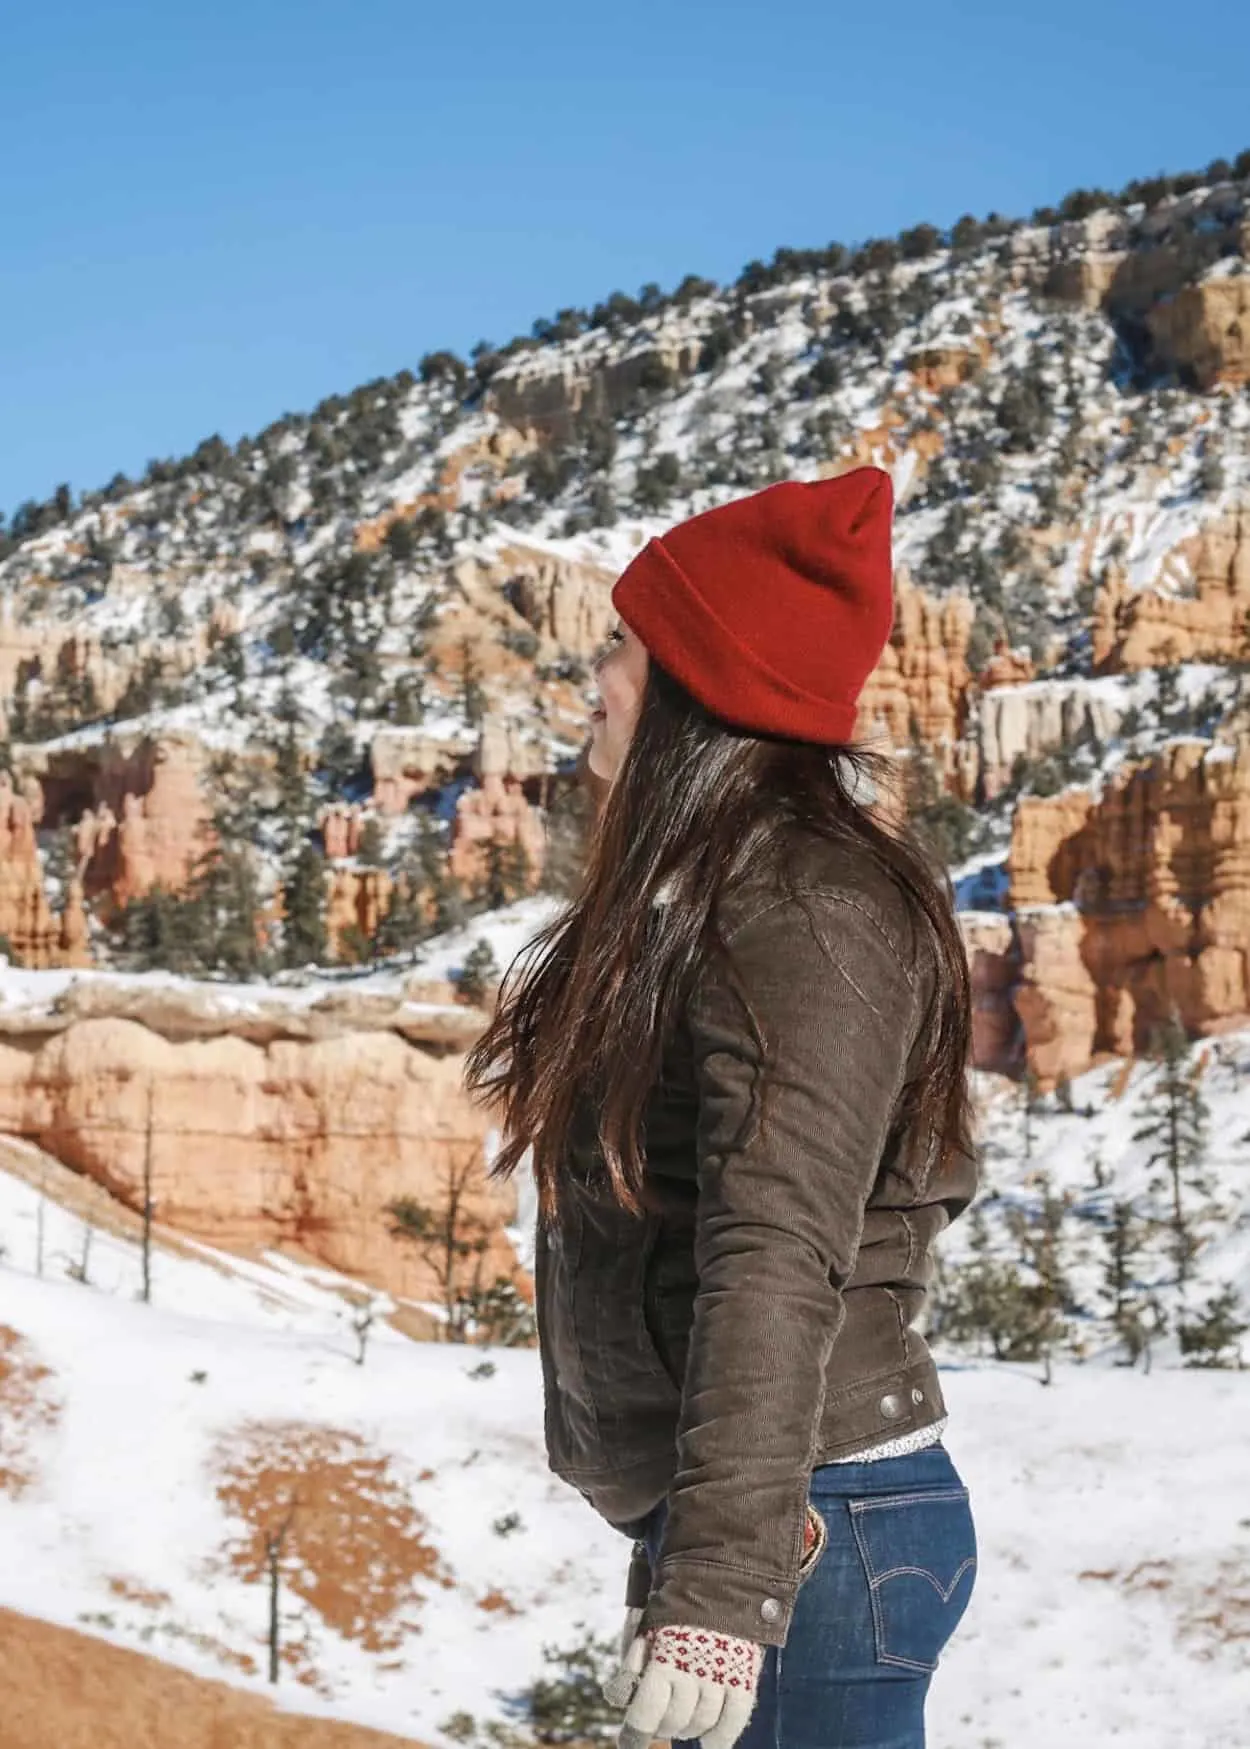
[146, 1294]
[364, 1316]
[451, 1238]
[40, 1208]
[273, 1560]
[77, 1271]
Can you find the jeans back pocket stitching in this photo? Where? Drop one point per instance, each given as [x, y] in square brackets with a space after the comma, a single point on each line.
[924, 1573]
[875, 1582]
[883, 1500]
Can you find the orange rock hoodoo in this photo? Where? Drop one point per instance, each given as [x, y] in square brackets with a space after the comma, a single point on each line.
[1134, 904]
[147, 820]
[35, 934]
[921, 682]
[356, 902]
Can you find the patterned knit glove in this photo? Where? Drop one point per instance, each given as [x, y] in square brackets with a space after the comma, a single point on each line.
[686, 1682]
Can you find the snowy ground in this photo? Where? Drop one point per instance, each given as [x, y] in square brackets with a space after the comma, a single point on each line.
[1113, 1601]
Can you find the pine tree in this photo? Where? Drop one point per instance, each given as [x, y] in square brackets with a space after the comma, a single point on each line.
[507, 873]
[370, 851]
[479, 971]
[337, 757]
[1125, 1233]
[292, 794]
[225, 898]
[304, 899]
[990, 1300]
[1175, 1131]
[403, 924]
[1028, 1108]
[1040, 1236]
[452, 1239]
[1212, 1338]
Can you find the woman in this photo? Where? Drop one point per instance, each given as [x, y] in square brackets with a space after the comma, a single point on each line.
[739, 1058]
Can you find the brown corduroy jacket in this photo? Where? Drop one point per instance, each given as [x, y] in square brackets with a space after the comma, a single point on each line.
[761, 1324]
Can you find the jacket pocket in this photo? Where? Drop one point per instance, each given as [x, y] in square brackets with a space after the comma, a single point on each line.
[919, 1555]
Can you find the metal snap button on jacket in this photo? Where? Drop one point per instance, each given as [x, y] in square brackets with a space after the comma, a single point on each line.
[891, 1406]
[917, 1395]
[770, 1609]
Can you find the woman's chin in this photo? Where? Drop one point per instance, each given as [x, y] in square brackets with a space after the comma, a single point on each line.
[599, 761]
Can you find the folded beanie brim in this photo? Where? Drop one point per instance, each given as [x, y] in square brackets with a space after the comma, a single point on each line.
[682, 631]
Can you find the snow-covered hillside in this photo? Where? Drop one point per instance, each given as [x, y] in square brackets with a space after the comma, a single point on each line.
[313, 579]
[150, 1448]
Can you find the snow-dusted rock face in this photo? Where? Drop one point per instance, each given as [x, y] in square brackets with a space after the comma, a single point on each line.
[1030, 721]
[271, 1118]
[1205, 330]
[1198, 610]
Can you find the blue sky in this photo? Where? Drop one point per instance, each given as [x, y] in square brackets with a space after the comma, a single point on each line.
[211, 215]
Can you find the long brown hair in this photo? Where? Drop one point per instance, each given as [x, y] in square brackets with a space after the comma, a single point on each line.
[586, 1009]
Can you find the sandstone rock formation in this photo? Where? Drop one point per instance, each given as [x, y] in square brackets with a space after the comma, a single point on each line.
[921, 682]
[341, 825]
[545, 396]
[1130, 259]
[496, 813]
[1147, 627]
[1205, 330]
[303, 1133]
[35, 935]
[1056, 997]
[566, 601]
[71, 1690]
[1156, 267]
[1030, 720]
[356, 902]
[138, 808]
[994, 964]
[407, 762]
[1006, 667]
[946, 364]
[1133, 905]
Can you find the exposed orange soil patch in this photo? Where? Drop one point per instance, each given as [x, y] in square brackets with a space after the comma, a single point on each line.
[66, 1690]
[355, 1548]
[1211, 1607]
[27, 1407]
[133, 1591]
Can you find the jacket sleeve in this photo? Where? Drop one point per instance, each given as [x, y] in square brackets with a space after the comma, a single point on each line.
[781, 1205]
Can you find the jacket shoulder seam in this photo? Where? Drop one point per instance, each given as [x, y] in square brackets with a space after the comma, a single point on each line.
[841, 897]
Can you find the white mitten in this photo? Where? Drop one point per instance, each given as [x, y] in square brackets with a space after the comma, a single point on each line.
[686, 1682]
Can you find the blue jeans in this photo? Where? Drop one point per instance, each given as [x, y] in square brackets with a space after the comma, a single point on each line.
[873, 1614]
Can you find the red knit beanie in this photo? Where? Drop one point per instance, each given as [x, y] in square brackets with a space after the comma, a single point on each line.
[772, 610]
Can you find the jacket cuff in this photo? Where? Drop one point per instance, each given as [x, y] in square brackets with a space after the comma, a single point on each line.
[638, 1584]
[722, 1600]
